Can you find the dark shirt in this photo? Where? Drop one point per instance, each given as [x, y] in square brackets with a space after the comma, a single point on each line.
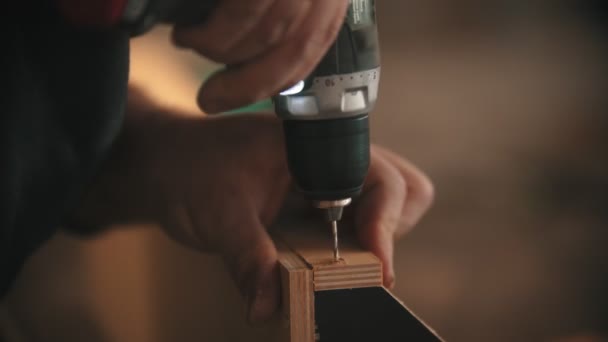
[62, 103]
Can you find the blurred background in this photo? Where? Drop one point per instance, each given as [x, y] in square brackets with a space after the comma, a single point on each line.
[502, 102]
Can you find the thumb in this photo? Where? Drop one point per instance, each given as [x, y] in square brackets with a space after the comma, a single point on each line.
[378, 213]
[252, 260]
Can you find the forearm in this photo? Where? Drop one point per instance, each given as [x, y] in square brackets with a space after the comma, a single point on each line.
[121, 193]
[163, 156]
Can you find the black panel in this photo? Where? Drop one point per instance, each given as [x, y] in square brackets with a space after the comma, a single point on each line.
[367, 314]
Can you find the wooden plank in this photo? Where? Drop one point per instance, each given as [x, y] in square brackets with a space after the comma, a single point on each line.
[298, 297]
[348, 300]
[311, 240]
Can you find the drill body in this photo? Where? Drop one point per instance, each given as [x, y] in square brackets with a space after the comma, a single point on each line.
[326, 116]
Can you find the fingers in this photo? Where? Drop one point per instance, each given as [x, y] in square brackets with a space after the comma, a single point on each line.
[419, 188]
[293, 40]
[240, 31]
[278, 25]
[251, 258]
[379, 211]
[396, 196]
[229, 23]
[245, 246]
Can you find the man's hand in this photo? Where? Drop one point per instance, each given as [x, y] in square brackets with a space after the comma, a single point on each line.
[216, 184]
[268, 46]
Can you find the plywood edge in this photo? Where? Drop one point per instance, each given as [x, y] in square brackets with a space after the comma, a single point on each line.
[338, 294]
[356, 269]
[298, 296]
[313, 244]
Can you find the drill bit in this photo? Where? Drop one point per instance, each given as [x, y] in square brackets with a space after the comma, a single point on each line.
[334, 226]
[333, 213]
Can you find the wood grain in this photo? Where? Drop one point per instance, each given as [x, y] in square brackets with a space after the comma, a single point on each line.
[357, 268]
[327, 300]
[298, 297]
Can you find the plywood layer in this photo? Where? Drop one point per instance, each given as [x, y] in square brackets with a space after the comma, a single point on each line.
[313, 243]
[347, 277]
[298, 297]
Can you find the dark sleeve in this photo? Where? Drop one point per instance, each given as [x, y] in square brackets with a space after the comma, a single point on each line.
[61, 109]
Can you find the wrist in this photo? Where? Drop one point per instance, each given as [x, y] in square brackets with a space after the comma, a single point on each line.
[120, 192]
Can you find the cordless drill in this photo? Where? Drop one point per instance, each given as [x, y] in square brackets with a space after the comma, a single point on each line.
[326, 116]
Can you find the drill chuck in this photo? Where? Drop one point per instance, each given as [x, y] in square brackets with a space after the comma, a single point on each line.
[328, 159]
